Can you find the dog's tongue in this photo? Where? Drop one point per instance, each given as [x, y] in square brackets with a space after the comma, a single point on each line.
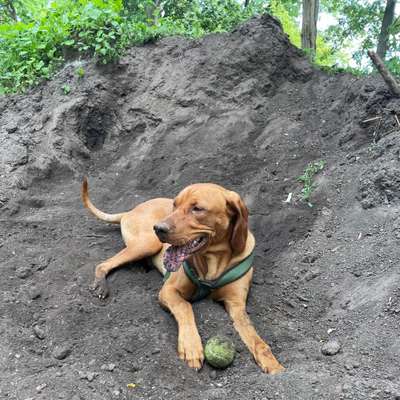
[174, 256]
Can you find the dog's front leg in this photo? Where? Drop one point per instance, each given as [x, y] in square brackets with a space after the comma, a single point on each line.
[190, 348]
[261, 351]
[234, 296]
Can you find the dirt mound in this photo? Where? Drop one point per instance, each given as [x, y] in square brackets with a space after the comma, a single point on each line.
[245, 110]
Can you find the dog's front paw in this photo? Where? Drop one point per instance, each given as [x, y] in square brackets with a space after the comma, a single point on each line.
[100, 288]
[267, 362]
[190, 349]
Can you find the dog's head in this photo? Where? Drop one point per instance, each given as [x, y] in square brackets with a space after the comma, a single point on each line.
[203, 215]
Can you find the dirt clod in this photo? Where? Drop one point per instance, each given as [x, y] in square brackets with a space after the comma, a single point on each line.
[331, 348]
[61, 352]
[39, 332]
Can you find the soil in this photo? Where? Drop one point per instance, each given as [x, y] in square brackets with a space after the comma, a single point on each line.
[248, 111]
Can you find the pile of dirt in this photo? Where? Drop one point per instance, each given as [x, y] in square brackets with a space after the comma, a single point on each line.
[245, 110]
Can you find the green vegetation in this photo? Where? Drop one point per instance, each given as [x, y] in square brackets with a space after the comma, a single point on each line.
[66, 89]
[80, 72]
[43, 37]
[39, 36]
[307, 179]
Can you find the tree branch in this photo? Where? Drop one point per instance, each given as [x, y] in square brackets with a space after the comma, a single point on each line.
[386, 75]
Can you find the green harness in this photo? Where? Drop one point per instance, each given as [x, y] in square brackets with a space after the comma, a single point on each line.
[205, 287]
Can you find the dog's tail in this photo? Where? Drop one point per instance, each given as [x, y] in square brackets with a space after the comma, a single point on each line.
[113, 218]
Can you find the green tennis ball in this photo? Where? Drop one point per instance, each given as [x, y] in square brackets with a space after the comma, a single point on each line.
[219, 351]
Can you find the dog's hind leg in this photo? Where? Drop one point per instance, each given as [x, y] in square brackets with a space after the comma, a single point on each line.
[146, 246]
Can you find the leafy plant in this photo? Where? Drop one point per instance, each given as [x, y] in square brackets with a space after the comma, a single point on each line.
[80, 72]
[66, 89]
[307, 179]
[43, 35]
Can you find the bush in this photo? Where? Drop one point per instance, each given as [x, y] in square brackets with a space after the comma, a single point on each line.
[32, 50]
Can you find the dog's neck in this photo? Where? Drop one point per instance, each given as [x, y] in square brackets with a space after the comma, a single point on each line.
[219, 258]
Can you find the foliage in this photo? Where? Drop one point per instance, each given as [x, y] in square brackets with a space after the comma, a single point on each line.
[66, 89]
[359, 21]
[80, 72]
[307, 179]
[48, 33]
[38, 36]
[325, 56]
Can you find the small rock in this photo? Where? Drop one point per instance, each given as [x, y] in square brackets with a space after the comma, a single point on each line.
[213, 374]
[331, 348]
[23, 272]
[116, 393]
[90, 376]
[92, 362]
[61, 352]
[41, 387]
[34, 293]
[87, 375]
[108, 367]
[11, 128]
[39, 332]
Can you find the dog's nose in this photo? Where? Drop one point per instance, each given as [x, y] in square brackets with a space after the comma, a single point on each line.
[161, 229]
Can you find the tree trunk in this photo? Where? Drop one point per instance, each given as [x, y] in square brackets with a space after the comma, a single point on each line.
[309, 26]
[150, 10]
[387, 20]
[246, 2]
[386, 75]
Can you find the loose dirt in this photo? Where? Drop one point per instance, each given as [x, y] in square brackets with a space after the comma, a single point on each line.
[245, 110]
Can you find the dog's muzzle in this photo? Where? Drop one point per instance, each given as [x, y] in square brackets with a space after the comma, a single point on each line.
[161, 230]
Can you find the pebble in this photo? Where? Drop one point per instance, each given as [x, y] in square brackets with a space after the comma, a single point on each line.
[23, 272]
[11, 128]
[61, 352]
[34, 293]
[39, 332]
[213, 374]
[90, 376]
[331, 348]
[87, 375]
[41, 387]
[108, 367]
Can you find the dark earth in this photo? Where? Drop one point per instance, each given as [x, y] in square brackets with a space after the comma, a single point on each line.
[245, 110]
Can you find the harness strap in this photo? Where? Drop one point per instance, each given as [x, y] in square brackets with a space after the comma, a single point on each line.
[205, 287]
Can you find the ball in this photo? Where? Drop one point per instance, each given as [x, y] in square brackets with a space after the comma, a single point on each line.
[219, 351]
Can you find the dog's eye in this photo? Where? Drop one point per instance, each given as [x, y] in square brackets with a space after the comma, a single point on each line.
[198, 209]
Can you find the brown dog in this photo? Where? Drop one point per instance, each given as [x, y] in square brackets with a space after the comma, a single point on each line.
[201, 235]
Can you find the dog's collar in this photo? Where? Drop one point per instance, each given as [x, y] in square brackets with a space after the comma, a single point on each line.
[205, 287]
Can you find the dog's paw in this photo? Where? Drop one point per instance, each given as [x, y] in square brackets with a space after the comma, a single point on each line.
[190, 350]
[273, 369]
[100, 288]
[267, 362]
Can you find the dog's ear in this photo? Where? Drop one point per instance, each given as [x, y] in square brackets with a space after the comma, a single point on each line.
[239, 220]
